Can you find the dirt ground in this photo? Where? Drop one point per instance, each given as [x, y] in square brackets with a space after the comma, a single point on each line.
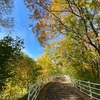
[60, 89]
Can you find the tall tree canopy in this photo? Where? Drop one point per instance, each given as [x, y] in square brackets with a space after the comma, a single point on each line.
[72, 58]
[9, 50]
[24, 72]
[78, 20]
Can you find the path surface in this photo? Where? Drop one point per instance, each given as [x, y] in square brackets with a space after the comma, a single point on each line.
[60, 89]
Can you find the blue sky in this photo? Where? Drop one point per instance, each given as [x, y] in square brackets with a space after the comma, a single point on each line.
[21, 16]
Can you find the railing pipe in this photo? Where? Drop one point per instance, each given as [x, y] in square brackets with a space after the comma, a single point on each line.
[84, 86]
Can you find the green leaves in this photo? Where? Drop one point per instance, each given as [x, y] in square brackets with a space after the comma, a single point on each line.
[9, 50]
[78, 21]
[24, 72]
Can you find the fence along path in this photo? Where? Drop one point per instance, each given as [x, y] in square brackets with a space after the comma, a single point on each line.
[89, 88]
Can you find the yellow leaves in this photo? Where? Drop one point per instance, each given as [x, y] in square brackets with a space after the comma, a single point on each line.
[64, 18]
[43, 22]
[69, 15]
[43, 61]
[86, 65]
[58, 1]
[36, 14]
[52, 25]
[88, 33]
[81, 2]
[92, 36]
[46, 16]
[97, 38]
[70, 18]
[43, 35]
[90, 4]
[80, 41]
[58, 5]
[94, 54]
[87, 5]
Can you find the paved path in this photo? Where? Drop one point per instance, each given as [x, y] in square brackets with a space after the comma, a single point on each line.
[61, 89]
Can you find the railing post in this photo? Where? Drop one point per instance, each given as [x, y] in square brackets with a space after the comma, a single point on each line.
[72, 82]
[35, 91]
[80, 85]
[90, 89]
[29, 92]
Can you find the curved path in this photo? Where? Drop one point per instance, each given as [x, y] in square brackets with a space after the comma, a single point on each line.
[61, 89]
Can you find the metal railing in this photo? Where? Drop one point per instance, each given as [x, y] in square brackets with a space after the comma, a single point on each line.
[35, 89]
[89, 88]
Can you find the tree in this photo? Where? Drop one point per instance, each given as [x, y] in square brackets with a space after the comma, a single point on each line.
[66, 16]
[47, 67]
[24, 72]
[71, 58]
[78, 20]
[9, 50]
[6, 8]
